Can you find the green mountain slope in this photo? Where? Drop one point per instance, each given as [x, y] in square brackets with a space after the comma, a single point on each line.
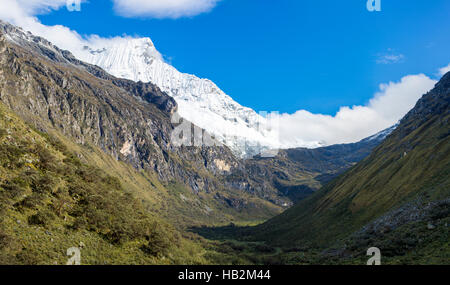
[408, 171]
[51, 201]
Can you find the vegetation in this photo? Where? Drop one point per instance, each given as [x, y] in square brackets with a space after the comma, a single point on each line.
[51, 201]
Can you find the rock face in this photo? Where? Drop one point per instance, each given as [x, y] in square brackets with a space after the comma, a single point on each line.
[131, 121]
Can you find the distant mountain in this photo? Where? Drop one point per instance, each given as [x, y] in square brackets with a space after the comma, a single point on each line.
[299, 172]
[396, 199]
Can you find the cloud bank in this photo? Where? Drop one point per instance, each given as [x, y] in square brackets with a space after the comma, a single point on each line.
[351, 124]
[163, 8]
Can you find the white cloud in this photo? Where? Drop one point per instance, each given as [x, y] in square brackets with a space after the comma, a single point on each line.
[444, 70]
[390, 58]
[163, 8]
[352, 124]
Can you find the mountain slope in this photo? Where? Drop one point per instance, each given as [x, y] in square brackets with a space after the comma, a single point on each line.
[51, 201]
[407, 173]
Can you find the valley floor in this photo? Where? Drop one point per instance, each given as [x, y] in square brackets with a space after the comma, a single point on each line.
[421, 242]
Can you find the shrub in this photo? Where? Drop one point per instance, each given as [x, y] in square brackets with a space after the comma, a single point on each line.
[41, 218]
[3, 133]
[14, 188]
[157, 243]
[10, 156]
[4, 239]
[264, 248]
[31, 202]
[57, 144]
[46, 159]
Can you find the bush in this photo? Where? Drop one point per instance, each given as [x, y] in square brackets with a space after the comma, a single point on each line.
[10, 156]
[46, 159]
[14, 188]
[57, 144]
[27, 257]
[4, 239]
[30, 202]
[157, 243]
[41, 218]
[264, 248]
[43, 184]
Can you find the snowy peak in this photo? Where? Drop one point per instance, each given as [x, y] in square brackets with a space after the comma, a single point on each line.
[122, 57]
[200, 100]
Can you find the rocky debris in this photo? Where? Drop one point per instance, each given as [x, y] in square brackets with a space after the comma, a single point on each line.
[410, 212]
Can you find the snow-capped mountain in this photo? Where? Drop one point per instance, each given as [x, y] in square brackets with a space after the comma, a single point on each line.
[200, 101]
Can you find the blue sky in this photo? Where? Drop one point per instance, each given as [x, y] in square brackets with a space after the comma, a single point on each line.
[313, 55]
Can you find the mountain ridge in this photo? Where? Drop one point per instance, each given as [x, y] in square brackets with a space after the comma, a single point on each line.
[396, 200]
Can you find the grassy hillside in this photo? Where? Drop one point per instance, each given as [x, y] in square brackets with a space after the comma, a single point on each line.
[408, 173]
[50, 201]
